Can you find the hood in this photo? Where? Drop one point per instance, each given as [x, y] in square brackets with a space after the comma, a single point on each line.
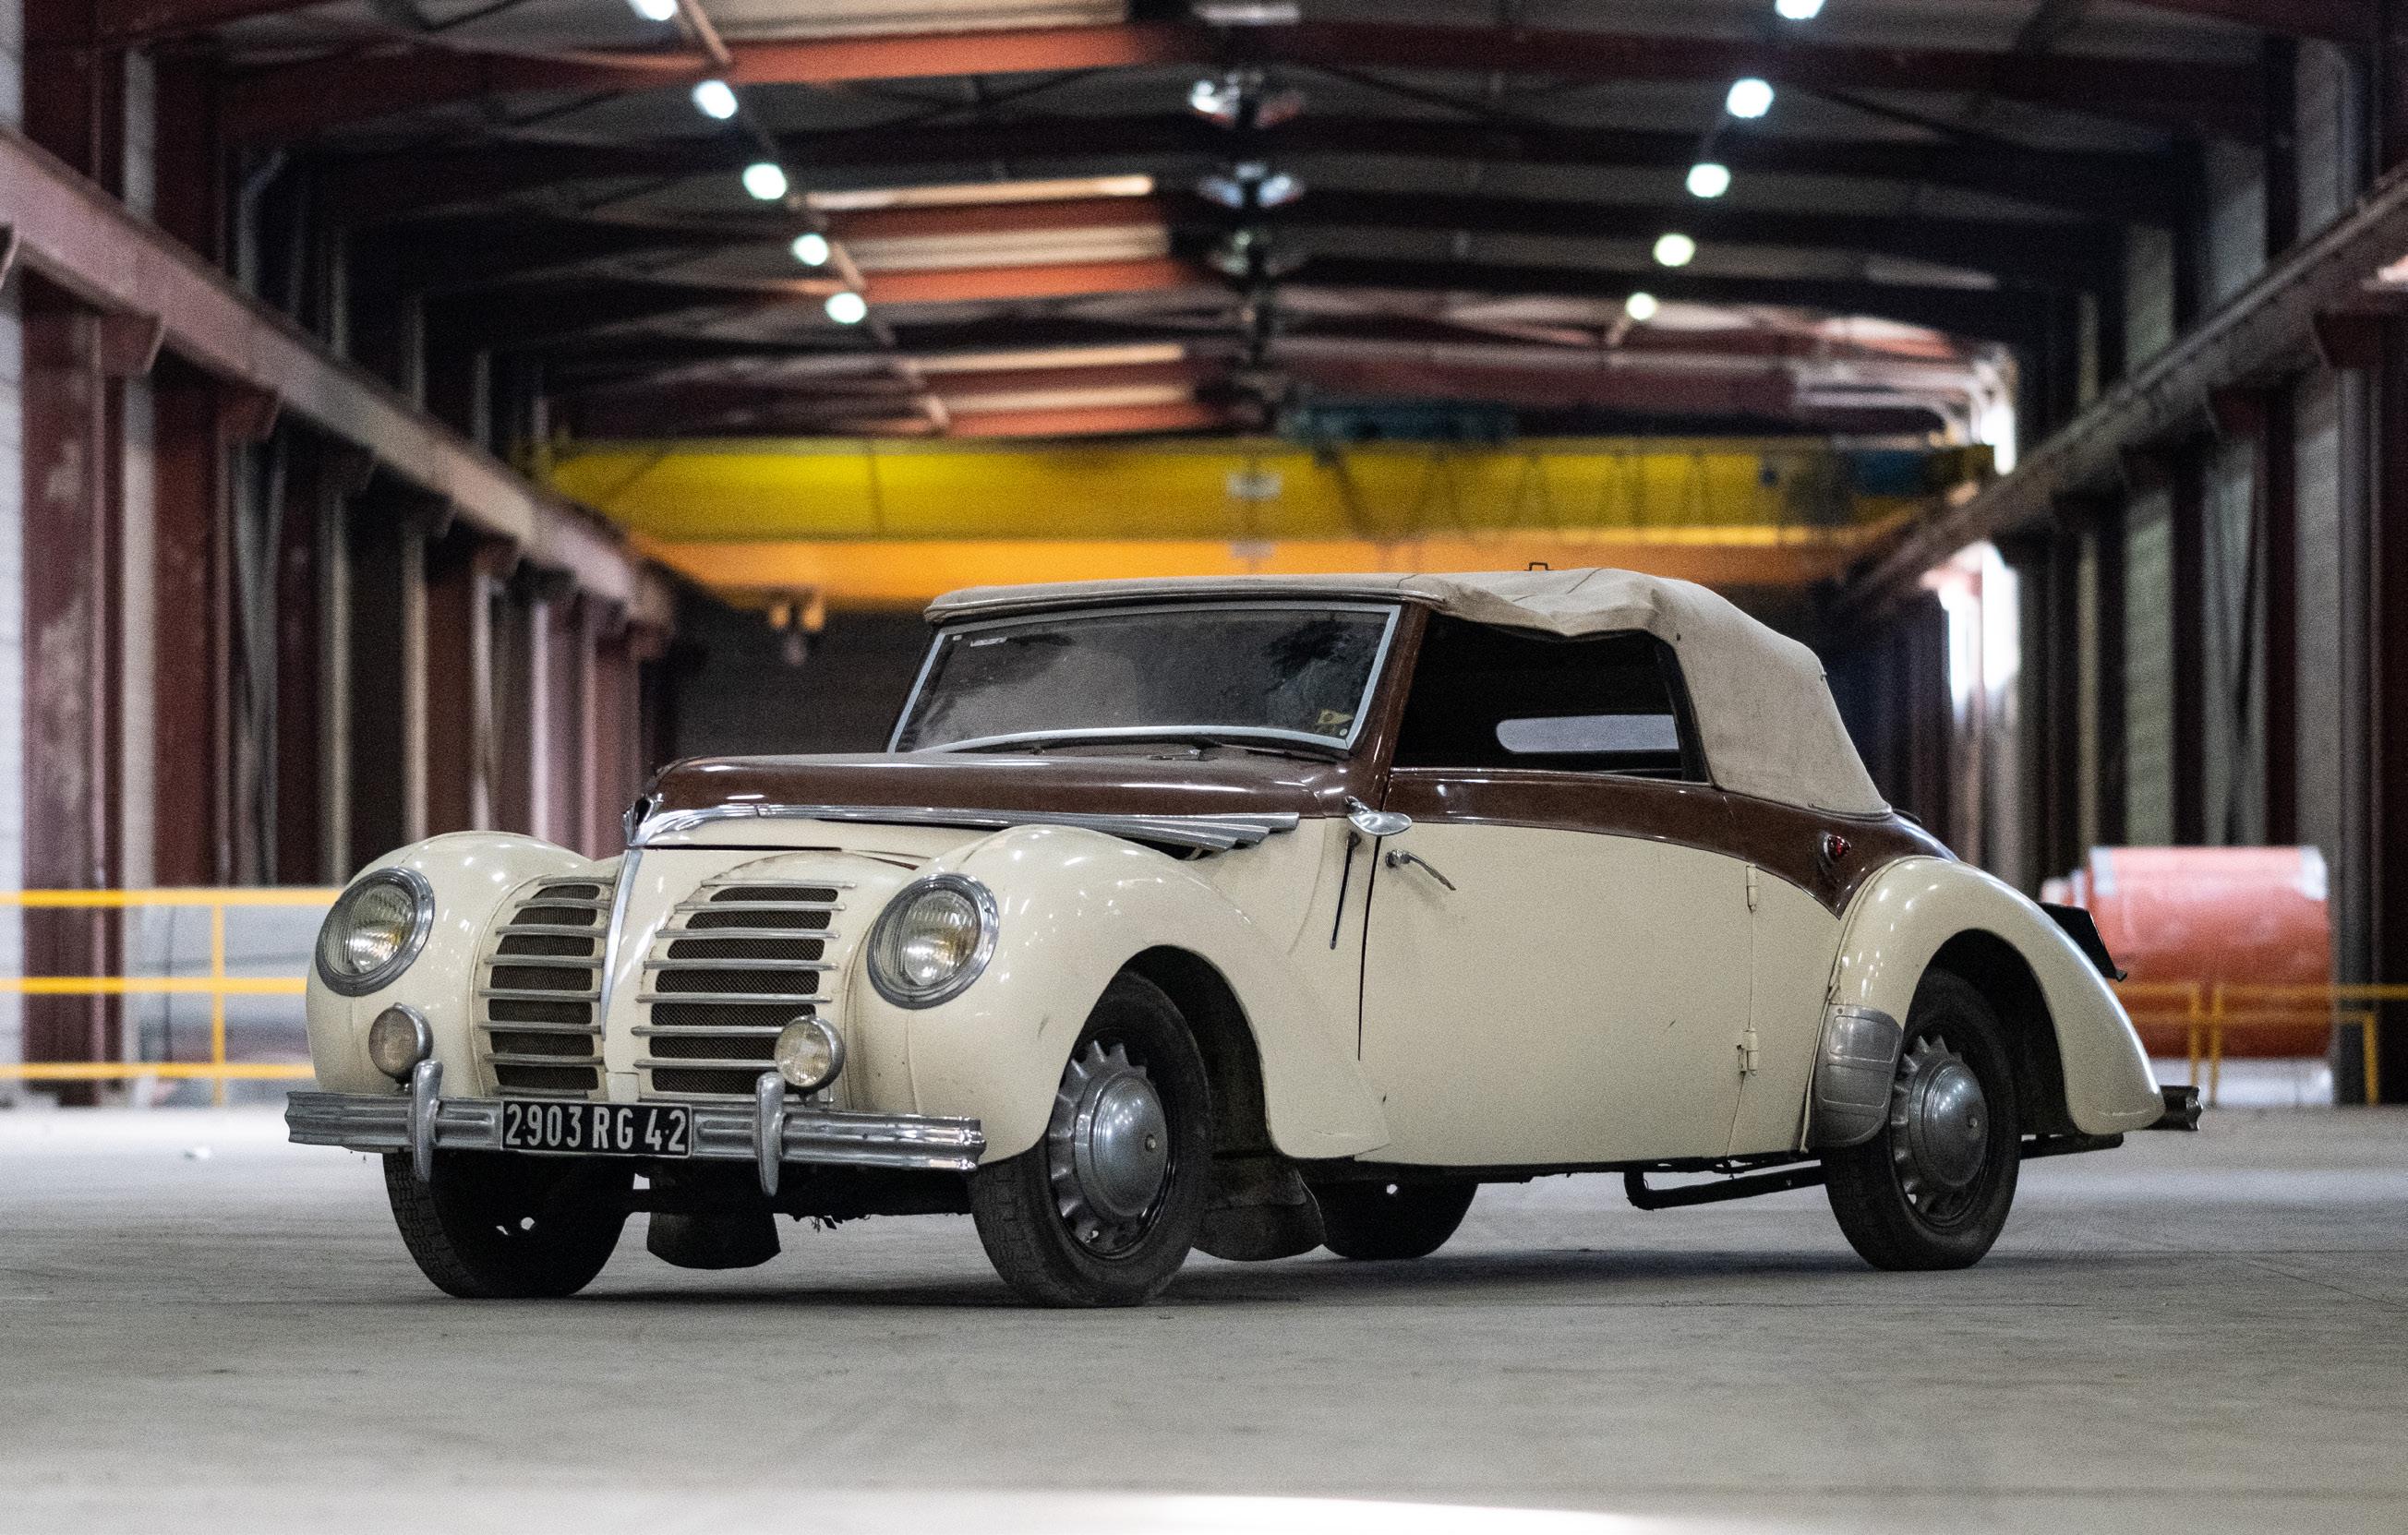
[1163, 785]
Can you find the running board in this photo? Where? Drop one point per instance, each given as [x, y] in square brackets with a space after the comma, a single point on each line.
[1634, 1182]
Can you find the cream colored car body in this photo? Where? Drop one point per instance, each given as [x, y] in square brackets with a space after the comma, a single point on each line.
[1562, 1050]
[1543, 970]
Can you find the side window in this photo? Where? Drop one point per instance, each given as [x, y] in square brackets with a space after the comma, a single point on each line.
[1494, 697]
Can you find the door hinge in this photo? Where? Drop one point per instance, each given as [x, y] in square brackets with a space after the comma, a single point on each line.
[1751, 887]
[1747, 1052]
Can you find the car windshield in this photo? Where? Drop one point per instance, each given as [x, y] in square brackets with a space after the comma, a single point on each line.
[1250, 674]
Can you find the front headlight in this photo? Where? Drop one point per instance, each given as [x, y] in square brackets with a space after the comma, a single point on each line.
[932, 941]
[375, 930]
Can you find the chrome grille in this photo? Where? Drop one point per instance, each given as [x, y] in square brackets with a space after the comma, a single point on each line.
[737, 963]
[538, 996]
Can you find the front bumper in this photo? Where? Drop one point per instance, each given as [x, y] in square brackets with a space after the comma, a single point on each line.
[769, 1132]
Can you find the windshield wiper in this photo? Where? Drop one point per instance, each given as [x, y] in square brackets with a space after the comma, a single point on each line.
[1332, 752]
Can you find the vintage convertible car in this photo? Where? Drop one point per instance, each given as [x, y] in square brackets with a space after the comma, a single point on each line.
[1249, 915]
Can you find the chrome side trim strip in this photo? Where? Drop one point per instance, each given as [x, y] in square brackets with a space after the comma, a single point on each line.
[1213, 833]
[788, 998]
[805, 965]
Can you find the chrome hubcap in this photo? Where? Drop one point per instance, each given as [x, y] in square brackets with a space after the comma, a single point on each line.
[1108, 1150]
[1939, 1130]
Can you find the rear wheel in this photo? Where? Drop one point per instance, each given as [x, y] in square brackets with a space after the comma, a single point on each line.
[1103, 1209]
[1391, 1220]
[492, 1226]
[1932, 1190]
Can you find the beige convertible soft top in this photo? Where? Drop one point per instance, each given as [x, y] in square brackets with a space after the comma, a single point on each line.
[1763, 705]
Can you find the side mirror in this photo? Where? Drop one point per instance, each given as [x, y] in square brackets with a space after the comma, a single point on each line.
[1376, 824]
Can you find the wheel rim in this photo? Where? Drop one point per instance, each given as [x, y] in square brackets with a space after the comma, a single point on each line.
[1939, 1131]
[1108, 1150]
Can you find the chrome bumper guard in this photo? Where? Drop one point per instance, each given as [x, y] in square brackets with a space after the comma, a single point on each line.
[768, 1132]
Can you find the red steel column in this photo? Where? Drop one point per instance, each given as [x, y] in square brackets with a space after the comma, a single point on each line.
[2387, 631]
[73, 445]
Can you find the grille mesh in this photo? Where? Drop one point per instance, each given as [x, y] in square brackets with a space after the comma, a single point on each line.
[558, 1024]
[755, 985]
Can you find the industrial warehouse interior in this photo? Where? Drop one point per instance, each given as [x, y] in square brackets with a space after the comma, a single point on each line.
[1193, 765]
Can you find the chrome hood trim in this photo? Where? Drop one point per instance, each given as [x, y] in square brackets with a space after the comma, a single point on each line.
[1210, 833]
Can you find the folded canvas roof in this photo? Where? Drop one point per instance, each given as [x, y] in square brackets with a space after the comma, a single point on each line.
[1763, 705]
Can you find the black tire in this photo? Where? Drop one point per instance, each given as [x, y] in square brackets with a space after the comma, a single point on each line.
[1893, 1211]
[1027, 1225]
[1375, 1221]
[495, 1227]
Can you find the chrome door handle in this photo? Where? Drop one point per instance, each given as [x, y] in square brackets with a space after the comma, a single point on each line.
[1398, 857]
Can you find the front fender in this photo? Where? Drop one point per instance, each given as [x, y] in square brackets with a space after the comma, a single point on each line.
[470, 873]
[1900, 920]
[1075, 906]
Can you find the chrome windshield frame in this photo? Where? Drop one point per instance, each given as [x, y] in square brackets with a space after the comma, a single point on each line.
[1392, 613]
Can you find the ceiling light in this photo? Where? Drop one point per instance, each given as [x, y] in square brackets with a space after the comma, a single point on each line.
[950, 193]
[847, 308]
[654, 10]
[1797, 10]
[1749, 98]
[1709, 180]
[1247, 13]
[810, 248]
[1641, 307]
[1675, 250]
[766, 179]
[715, 99]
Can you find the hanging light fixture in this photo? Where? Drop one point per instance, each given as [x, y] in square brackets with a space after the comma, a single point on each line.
[1675, 250]
[766, 179]
[1749, 98]
[1797, 10]
[847, 308]
[811, 248]
[1709, 180]
[654, 10]
[715, 99]
[1642, 307]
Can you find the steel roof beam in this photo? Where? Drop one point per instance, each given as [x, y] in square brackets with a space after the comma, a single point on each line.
[484, 252]
[2333, 21]
[418, 183]
[85, 241]
[2267, 332]
[295, 101]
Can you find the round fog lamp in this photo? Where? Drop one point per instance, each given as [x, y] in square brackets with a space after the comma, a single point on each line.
[809, 1054]
[399, 1040]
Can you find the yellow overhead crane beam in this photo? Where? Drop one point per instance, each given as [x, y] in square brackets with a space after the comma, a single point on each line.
[858, 523]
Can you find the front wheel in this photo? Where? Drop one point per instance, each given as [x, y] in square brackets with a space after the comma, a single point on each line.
[1102, 1211]
[496, 1226]
[1932, 1190]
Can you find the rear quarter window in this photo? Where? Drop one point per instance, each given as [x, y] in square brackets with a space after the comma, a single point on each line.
[1498, 697]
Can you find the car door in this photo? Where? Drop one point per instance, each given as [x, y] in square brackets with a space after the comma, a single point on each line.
[1556, 963]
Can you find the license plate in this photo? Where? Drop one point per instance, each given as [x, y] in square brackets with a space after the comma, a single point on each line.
[629, 1129]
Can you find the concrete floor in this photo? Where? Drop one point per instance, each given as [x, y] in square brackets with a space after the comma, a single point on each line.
[204, 1328]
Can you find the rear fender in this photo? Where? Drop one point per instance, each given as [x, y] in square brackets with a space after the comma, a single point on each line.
[1899, 923]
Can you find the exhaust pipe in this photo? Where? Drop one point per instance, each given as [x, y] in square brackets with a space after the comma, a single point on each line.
[2182, 1109]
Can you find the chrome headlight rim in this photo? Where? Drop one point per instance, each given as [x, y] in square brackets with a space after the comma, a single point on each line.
[902, 993]
[422, 896]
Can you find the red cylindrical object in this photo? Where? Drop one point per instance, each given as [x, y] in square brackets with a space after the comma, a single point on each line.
[2246, 916]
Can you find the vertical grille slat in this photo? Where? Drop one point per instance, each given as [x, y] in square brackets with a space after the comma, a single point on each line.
[778, 925]
[549, 994]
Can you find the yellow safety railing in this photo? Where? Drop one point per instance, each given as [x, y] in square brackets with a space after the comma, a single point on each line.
[2207, 1014]
[2246, 1007]
[217, 985]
